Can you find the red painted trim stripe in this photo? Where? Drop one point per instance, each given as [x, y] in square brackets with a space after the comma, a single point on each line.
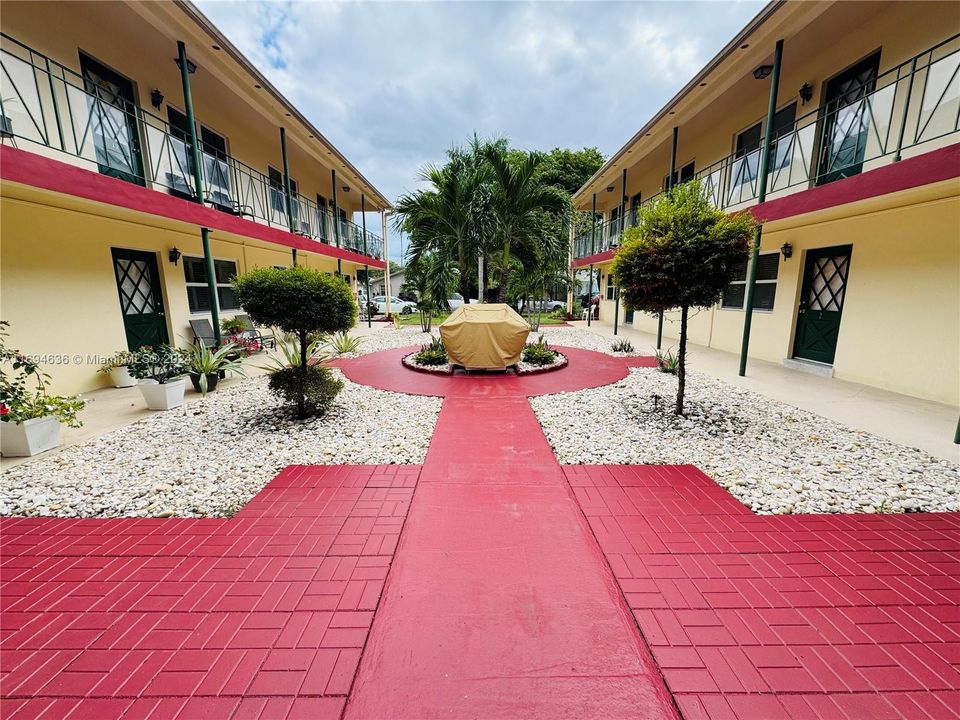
[27, 168]
[932, 167]
[605, 256]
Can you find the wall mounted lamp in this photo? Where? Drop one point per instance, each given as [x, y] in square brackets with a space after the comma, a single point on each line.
[763, 72]
[156, 98]
[806, 93]
[786, 250]
[174, 255]
[191, 65]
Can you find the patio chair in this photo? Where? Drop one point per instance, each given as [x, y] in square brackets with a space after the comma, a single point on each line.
[266, 339]
[203, 333]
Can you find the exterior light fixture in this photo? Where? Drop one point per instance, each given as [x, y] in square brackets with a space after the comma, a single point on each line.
[174, 255]
[609, 188]
[762, 72]
[346, 188]
[806, 93]
[786, 250]
[156, 98]
[191, 65]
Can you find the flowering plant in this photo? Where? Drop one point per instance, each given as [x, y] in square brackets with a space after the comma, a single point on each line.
[243, 344]
[20, 402]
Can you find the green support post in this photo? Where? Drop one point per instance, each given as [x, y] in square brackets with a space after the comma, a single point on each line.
[761, 197]
[906, 109]
[293, 255]
[335, 211]
[366, 270]
[287, 188]
[593, 249]
[956, 435]
[198, 181]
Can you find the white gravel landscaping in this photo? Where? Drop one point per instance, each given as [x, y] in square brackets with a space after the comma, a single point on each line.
[773, 457]
[210, 458]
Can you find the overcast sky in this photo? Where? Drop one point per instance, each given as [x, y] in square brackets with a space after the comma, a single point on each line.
[394, 84]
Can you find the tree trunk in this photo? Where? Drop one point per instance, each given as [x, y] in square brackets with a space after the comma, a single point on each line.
[682, 360]
[302, 399]
[504, 273]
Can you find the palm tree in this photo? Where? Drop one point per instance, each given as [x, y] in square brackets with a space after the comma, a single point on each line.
[448, 221]
[518, 202]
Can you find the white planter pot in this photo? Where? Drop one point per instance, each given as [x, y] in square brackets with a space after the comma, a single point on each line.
[121, 377]
[29, 437]
[163, 397]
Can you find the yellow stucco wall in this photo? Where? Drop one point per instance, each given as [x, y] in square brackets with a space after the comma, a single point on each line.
[62, 30]
[900, 328]
[844, 34]
[58, 290]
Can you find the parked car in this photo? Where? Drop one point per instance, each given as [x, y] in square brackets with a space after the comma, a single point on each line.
[547, 305]
[397, 305]
[456, 300]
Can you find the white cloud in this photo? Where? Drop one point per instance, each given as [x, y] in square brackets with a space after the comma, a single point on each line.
[394, 84]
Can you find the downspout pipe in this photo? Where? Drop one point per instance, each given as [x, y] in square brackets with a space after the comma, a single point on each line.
[593, 250]
[287, 189]
[761, 197]
[670, 184]
[198, 183]
[616, 289]
[336, 210]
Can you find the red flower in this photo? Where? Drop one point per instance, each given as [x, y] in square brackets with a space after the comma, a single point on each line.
[4, 410]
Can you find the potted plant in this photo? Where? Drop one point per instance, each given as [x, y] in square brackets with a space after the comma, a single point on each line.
[207, 366]
[162, 370]
[233, 326]
[31, 417]
[118, 368]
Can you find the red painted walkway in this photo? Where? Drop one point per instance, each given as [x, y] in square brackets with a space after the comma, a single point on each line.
[499, 604]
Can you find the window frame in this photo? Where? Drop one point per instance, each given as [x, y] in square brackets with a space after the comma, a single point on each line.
[188, 284]
[742, 306]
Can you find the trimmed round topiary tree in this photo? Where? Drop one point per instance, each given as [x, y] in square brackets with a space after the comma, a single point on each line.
[683, 254]
[304, 302]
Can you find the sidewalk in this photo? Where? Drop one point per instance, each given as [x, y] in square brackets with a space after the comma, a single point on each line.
[907, 420]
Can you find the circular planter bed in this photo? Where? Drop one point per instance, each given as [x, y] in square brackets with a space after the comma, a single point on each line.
[527, 369]
[521, 368]
[408, 362]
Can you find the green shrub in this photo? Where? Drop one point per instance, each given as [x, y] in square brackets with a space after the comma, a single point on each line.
[301, 301]
[668, 362]
[343, 343]
[313, 385]
[432, 353]
[539, 353]
[622, 346]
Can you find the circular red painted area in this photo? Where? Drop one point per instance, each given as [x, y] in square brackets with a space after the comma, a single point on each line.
[584, 369]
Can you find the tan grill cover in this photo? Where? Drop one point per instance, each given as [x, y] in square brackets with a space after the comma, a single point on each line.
[485, 336]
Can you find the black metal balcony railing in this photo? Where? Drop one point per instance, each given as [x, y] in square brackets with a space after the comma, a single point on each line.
[914, 103]
[46, 103]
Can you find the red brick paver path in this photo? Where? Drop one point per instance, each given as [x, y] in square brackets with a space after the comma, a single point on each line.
[260, 616]
[786, 616]
[510, 594]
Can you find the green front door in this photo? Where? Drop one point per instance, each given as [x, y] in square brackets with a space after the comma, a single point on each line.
[141, 300]
[821, 303]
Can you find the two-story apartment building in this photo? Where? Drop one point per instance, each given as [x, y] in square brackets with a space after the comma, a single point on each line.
[112, 183]
[859, 266]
